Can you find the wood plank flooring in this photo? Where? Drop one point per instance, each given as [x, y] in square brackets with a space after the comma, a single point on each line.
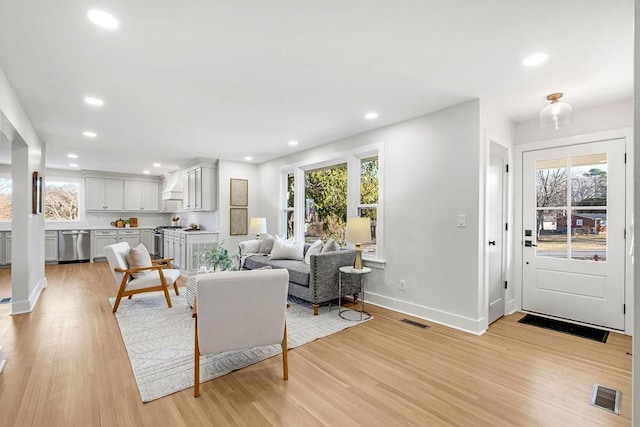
[67, 365]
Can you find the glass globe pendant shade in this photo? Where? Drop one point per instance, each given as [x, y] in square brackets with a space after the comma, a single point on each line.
[555, 115]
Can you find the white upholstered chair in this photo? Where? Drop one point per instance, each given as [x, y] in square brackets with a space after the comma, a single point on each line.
[237, 310]
[157, 277]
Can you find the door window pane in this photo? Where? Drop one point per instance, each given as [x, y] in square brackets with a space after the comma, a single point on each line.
[589, 235]
[589, 180]
[552, 233]
[551, 183]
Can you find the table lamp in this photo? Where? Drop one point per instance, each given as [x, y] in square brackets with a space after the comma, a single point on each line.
[258, 226]
[358, 232]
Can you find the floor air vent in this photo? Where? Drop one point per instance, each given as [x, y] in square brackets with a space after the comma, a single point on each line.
[606, 398]
[411, 322]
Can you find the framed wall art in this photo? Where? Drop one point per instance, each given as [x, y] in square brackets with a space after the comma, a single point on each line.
[239, 192]
[36, 194]
[238, 222]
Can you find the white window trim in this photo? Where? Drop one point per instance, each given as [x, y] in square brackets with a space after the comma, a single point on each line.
[352, 158]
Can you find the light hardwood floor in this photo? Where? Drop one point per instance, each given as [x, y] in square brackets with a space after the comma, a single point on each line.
[67, 365]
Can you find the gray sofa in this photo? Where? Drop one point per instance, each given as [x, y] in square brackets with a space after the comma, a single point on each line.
[316, 282]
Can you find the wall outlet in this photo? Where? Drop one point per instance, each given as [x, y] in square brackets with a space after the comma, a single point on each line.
[403, 285]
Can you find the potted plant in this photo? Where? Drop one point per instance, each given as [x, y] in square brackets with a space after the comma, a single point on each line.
[216, 258]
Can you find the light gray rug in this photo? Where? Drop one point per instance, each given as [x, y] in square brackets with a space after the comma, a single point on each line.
[159, 342]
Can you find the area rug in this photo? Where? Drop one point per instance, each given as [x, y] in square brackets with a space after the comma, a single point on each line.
[159, 341]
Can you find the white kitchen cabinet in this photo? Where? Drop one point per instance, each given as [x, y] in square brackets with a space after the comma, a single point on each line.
[177, 250]
[102, 238]
[102, 194]
[146, 238]
[51, 246]
[7, 247]
[168, 244]
[182, 265]
[141, 196]
[200, 186]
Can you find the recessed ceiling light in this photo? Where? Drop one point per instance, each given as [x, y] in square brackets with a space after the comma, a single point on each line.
[103, 19]
[89, 134]
[72, 156]
[146, 172]
[371, 116]
[156, 165]
[535, 59]
[247, 158]
[73, 165]
[293, 142]
[91, 100]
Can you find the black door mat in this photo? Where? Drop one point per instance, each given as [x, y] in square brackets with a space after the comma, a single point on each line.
[566, 327]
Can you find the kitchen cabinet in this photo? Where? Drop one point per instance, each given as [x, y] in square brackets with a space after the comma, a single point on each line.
[103, 194]
[178, 255]
[51, 246]
[146, 238]
[168, 244]
[200, 189]
[141, 196]
[102, 238]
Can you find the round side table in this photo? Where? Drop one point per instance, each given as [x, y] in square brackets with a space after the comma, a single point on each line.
[360, 273]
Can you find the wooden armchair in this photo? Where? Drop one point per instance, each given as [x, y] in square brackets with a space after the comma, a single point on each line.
[237, 310]
[158, 277]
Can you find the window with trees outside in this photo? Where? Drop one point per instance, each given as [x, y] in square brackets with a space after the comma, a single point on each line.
[347, 187]
[5, 199]
[61, 201]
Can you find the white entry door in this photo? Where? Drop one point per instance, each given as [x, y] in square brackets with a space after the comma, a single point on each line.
[574, 225]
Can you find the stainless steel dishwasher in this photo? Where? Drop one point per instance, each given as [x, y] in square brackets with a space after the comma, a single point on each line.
[74, 246]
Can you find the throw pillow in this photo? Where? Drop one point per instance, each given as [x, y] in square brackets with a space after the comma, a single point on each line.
[139, 257]
[330, 246]
[266, 244]
[284, 250]
[314, 249]
[250, 247]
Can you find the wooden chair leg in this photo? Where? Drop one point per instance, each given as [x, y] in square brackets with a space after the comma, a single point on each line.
[130, 296]
[196, 363]
[166, 294]
[315, 309]
[117, 303]
[285, 355]
[175, 286]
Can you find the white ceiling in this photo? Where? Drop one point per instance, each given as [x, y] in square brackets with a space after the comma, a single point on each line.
[227, 79]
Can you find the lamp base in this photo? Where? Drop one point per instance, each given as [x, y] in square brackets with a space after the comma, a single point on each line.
[358, 262]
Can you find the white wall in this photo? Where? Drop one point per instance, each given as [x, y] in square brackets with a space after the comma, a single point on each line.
[27, 156]
[612, 116]
[227, 170]
[431, 167]
[636, 249]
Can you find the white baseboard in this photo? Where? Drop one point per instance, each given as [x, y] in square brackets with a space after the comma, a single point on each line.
[26, 306]
[3, 361]
[451, 320]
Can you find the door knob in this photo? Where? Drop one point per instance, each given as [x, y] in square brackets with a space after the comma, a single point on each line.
[492, 242]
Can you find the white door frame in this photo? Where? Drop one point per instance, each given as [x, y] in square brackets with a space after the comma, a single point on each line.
[627, 134]
[508, 239]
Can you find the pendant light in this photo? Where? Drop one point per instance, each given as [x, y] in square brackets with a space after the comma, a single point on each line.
[555, 115]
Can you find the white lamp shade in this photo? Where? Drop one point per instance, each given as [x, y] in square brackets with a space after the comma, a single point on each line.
[555, 115]
[258, 226]
[358, 230]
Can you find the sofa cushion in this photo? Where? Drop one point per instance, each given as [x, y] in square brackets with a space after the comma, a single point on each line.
[314, 249]
[299, 272]
[266, 244]
[284, 250]
[331, 246]
[250, 246]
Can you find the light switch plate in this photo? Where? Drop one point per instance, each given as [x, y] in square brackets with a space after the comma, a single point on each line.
[462, 220]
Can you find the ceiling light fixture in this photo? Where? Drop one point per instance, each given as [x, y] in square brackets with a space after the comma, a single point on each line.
[103, 19]
[535, 59]
[557, 114]
[146, 172]
[156, 165]
[247, 158]
[292, 142]
[73, 165]
[91, 100]
[371, 116]
[72, 156]
[89, 134]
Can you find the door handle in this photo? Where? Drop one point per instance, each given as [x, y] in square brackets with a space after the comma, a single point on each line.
[529, 243]
[492, 242]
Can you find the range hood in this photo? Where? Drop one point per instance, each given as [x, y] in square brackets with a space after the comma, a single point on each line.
[173, 187]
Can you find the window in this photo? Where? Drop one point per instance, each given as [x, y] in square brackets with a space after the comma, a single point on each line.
[330, 190]
[61, 200]
[5, 199]
[325, 193]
